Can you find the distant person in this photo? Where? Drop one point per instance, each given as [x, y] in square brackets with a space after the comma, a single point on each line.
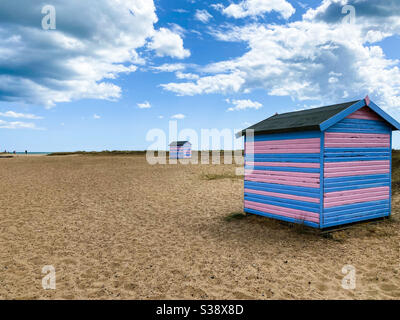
[14, 152]
[26, 152]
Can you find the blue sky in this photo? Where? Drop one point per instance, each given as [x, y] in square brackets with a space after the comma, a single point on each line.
[109, 73]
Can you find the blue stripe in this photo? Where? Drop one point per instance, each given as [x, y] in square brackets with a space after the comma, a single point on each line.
[356, 219]
[356, 154]
[286, 136]
[286, 169]
[281, 187]
[267, 200]
[357, 210]
[357, 178]
[287, 219]
[351, 130]
[279, 201]
[248, 185]
[357, 206]
[357, 187]
[361, 124]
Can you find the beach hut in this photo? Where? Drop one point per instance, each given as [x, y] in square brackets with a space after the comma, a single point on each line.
[180, 150]
[321, 167]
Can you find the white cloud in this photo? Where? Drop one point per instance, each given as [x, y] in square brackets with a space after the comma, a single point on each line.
[91, 45]
[17, 125]
[203, 16]
[13, 114]
[243, 104]
[144, 105]
[160, 117]
[167, 43]
[96, 116]
[312, 59]
[252, 8]
[189, 76]
[178, 116]
[169, 67]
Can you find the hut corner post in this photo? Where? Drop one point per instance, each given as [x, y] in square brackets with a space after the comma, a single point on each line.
[321, 181]
[390, 175]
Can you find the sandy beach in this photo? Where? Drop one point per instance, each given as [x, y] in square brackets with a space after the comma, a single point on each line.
[115, 227]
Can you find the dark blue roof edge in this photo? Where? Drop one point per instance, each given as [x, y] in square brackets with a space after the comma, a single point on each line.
[353, 108]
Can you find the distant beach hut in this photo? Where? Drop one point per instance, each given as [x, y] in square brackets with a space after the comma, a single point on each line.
[323, 167]
[180, 150]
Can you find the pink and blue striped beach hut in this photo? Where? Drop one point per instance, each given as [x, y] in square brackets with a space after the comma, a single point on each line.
[321, 167]
[180, 150]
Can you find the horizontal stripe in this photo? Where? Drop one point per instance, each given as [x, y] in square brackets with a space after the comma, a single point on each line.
[356, 179]
[282, 173]
[355, 135]
[364, 113]
[351, 159]
[292, 182]
[357, 210]
[357, 199]
[328, 195]
[364, 185]
[356, 151]
[282, 143]
[272, 158]
[283, 164]
[285, 136]
[283, 151]
[355, 172]
[281, 169]
[283, 155]
[353, 130]
[298, 191]
[284, 203]
[342, 221]
[292, 213]
[283, 218]
[281, 195]
[354, 207]
[357, 144]
[356, 164]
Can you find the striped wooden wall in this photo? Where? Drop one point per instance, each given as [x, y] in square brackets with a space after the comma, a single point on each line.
[180, 152]
[282, 176]
[357, 153]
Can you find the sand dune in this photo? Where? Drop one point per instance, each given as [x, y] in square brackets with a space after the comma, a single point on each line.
[118, 228]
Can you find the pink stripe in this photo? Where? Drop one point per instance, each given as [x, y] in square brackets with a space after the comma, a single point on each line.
[355, 135]
[283, 164]
[284, 142]
[283, 179]
[283, 173]
[286, 151]
[281, 211]
[355, 192]
[357, 145]
[355, 168]
[356, 196]
[357, 200]
[282, 195]
[356, 163]
[361, 140]
[292, 182]
[354, 173]
[364, 113]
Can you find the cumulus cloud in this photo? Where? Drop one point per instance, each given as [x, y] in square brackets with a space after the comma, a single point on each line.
[144, 105]
[243, 104]
[189, 76]
[203, 16]
[178, 116]
[253, 8]
[13, 114]
[96, 116]
[91, 46]
[169, 67]
[167, 43]
[317, 58]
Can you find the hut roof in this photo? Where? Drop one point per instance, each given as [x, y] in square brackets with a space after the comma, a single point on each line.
[316, 119]
[178, 143]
